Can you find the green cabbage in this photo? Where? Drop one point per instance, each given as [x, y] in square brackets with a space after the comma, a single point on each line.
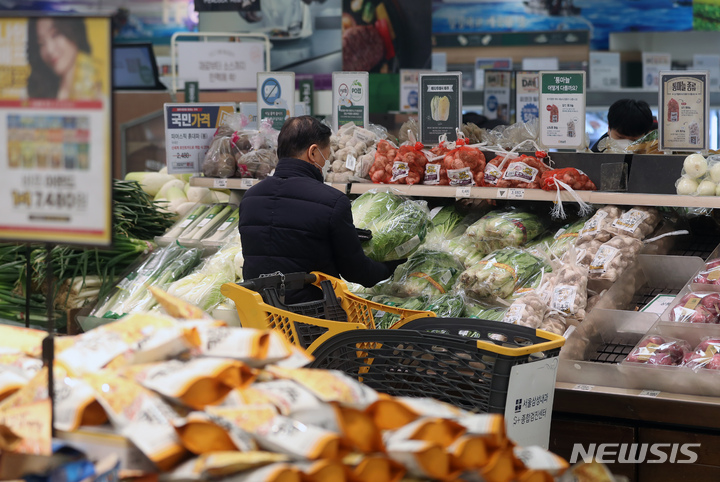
[449, 305]
[427, 272]
[501, 229]
[398, 233]
[372, 205]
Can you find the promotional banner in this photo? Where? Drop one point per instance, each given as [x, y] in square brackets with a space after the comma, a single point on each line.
[482, 64]
[440, 106]
[498, 92]
[55, 139]
[562, 109]
[386, 36]
[221, 65]
[350, 98]
[684, 108]
[189, 131]
[527, 92]
[276, 96]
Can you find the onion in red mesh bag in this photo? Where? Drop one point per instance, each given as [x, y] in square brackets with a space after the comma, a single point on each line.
[464, 166]
[409, 164]
[569, 176]
[382, 169]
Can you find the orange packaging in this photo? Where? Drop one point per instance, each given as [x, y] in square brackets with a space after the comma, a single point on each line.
[195, 383]
[500, 466]
[441, 431]
[287, 436]
[16, 370]
[248, 418]
[220, 464]
[203, 433]
[392, 413]
[323, 471]
[281, 472]
[541, 460]
[374, 468]
[422, 459]
[249, 345]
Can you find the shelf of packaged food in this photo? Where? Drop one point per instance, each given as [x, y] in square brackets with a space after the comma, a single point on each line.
[242, 184]
[418, 190]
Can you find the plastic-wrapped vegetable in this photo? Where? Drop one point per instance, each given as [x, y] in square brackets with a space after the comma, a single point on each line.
[613, 257]
[528, 310]
[568, 292]
[638, 223]
[484, 312]
[353, 152]
[448, 305]
[464, 249]
[500, 273]
[595, 227]
[574, 178]
[371, 205]
[554, 323]
[565, 238]
[262, 159]
[501, 229]
[647, 144]
[427, 272]
[220, 158]
[398, 233]
[697, 308]
[447, 223]
[659, 350]
[384, 320]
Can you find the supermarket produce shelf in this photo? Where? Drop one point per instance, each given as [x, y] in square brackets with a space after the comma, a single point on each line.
[419, 190]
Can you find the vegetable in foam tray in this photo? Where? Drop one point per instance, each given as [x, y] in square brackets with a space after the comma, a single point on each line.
[398, 233]
[500, 274]
[427, 272]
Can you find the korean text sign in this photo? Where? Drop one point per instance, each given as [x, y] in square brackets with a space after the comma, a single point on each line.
[221, 65]
[55, 121]
[683, 116]
[189, 130]
[562, 109]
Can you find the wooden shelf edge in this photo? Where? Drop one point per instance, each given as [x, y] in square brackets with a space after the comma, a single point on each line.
[419, 190]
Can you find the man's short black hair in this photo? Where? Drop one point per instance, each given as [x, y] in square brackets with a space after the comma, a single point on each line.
[631, 118]
[299, 133]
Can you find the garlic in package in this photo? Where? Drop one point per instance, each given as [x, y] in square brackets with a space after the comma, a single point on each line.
[638, 223]
[613, 257]
[596, 227]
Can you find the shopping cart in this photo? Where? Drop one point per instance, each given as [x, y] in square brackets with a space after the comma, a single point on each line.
[462, 361]
[259, 303]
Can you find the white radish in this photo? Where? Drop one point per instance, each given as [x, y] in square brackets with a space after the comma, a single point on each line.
[176, 183]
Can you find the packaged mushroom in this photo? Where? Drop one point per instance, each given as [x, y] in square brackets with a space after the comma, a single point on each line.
[613, 257]
[637, 223]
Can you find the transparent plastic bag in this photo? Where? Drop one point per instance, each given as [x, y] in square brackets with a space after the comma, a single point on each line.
[568, 292]
[500, 274]
[659, 350]
[447, 305]
[595, 227]
[710, 274]
[613, 257]
[527, 310]
[427, 272]
[706, 355]
[499, 229]
[262, 159]
[638, 222]
[398, 233]
[220, 158]
[697, 308]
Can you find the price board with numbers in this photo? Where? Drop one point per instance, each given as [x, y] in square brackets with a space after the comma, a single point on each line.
[55, 140]
[189, 132]
[684, 109]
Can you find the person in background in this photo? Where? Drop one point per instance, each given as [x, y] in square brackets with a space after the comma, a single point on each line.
[60, 60]
[628, 120]
[293, 222]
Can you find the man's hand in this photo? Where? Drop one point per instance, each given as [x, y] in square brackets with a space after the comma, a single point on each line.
[392, 265]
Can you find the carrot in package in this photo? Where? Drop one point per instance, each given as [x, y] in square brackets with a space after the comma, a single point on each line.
[249, 345]
[391, 413]
[203, 433]
[220, 464]
[374, 468]
[423, 459]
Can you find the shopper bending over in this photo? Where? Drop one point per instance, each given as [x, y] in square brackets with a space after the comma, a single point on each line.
[293, 222]
[628, 120]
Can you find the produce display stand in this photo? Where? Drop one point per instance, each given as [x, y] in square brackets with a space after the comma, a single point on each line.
[586, 409]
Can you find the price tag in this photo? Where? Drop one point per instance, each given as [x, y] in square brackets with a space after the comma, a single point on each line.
[584, 388]
[220, 183]
[650, 393]
[502, 193]
[462, 192]
[514, 193]
[246, 183]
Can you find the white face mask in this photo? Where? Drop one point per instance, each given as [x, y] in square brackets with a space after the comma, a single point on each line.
[324, 169]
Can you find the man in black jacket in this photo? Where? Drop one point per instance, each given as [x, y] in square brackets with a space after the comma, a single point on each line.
[293, 222]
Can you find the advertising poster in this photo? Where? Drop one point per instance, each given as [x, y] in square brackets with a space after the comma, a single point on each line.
[683, 115]
[498, 92]
[350, 98]
[562, 109]
[527, 92]
[276, 96]
[453, 17]
[55, 116]
[440, 106]
[409, 90]
[189, 131]
[482, 64]
[384, 36]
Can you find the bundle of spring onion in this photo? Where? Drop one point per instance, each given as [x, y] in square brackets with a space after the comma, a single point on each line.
[12, 299]
[135, 214]
[160, 269]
